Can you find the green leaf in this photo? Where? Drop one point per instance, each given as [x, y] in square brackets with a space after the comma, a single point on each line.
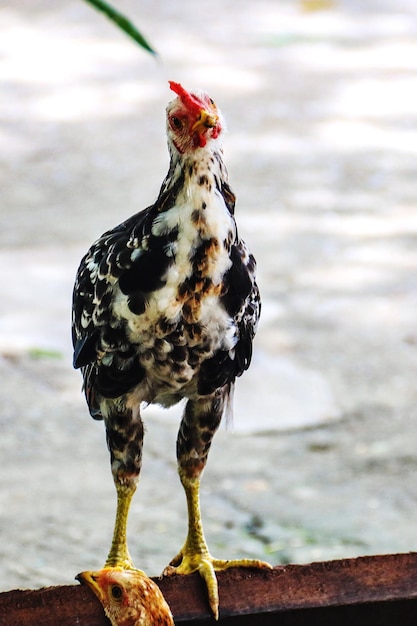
[123, 23]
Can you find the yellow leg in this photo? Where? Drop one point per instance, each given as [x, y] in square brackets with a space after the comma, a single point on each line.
[119, 554]
[195, 556]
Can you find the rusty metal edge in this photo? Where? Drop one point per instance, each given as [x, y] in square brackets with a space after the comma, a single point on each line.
[369, 580]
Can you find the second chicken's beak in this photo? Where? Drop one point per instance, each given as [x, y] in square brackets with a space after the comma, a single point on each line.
[90, 579]
[205, 121]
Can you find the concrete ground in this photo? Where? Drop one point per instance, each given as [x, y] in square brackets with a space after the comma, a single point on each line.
[321, 102]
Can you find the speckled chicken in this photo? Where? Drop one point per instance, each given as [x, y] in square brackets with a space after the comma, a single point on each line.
[165, 308]
[129, 597]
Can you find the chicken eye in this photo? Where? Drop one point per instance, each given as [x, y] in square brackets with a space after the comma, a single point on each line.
[116, 592]
[176, 122]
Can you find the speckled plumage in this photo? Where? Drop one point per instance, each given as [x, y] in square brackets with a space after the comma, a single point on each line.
[165, 305]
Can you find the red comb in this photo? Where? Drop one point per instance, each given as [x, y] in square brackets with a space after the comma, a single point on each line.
[190, 101]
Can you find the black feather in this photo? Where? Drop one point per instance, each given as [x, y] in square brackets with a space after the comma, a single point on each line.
[216, 372]
[237, 283]
[85, 350]
[113, 382]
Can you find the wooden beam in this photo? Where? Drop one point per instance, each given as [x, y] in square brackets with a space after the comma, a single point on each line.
[377, 590]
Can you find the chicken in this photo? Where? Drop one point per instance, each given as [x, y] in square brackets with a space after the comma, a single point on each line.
[129, 597]
[165, 308]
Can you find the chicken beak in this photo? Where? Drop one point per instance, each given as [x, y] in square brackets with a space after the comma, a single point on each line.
[205, 121]
[90, 579]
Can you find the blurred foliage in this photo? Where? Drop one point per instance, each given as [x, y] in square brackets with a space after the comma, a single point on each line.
[44, 353]
[122, 22]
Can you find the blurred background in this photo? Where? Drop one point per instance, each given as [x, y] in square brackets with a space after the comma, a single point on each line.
[320, 97]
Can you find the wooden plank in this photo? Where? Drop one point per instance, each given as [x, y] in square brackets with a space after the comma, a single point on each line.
[379, 590]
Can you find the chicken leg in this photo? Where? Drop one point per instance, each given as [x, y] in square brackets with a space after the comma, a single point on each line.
[119, 554]
[125, 432]
[200, 422]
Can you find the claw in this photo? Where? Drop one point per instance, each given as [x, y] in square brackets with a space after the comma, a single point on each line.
[207, 573]
[207, 567]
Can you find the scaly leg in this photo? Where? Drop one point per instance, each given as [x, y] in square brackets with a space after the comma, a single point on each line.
[125, 441]
[200, 422]
[119, 554]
